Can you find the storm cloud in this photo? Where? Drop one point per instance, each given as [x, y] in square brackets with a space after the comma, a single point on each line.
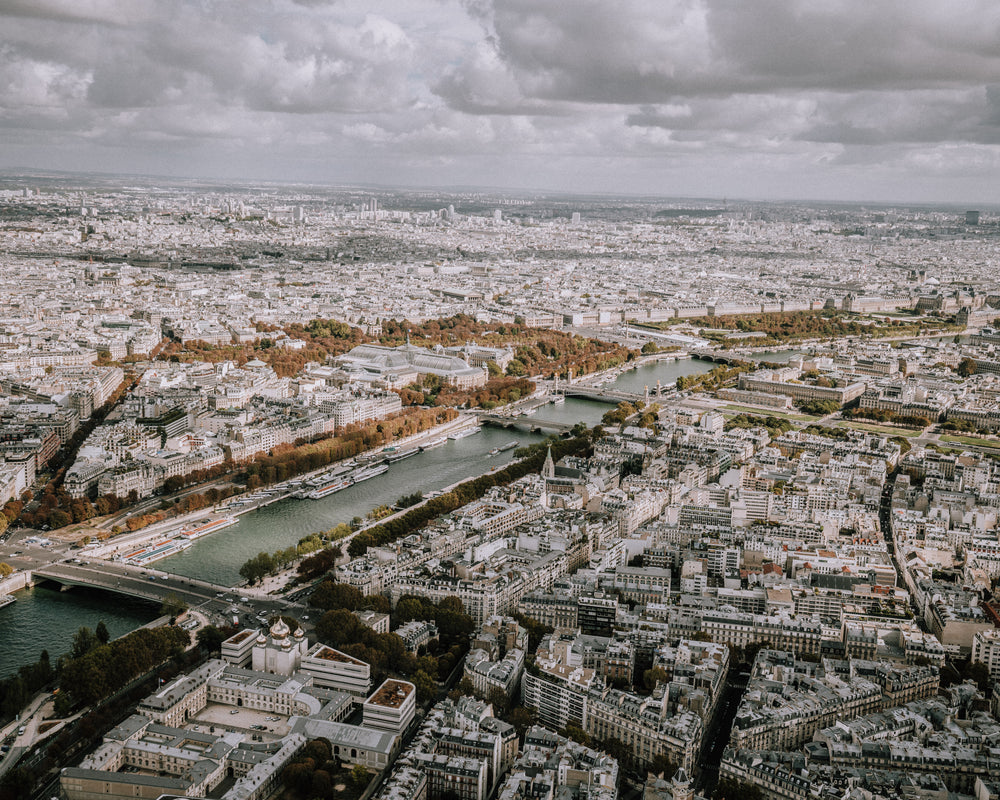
[789, 98]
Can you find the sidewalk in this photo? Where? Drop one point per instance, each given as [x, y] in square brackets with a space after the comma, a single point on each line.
[30, 719]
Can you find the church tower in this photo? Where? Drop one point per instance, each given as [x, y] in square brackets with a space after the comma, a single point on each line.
[549, 467]
[681, 786]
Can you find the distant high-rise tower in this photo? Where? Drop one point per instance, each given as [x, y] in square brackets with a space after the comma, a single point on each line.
[971, 217]
[576, 218]
[497, 216]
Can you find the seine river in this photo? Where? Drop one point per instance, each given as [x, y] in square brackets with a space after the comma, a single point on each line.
[46, 619]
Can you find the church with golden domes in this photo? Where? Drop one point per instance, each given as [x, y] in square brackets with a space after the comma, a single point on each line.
[280, 651]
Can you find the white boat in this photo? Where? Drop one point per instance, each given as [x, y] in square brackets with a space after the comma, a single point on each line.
[465, 432]
[330, 488]
[434, 443]
[503, 448]
[355, 476]
[206, 527]
[6, 600]
[365, 473]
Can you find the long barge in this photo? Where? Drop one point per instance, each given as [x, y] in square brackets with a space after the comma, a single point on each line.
[351, 478]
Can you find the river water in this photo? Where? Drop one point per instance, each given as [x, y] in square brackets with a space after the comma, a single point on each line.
[46, 619]
[42, 618]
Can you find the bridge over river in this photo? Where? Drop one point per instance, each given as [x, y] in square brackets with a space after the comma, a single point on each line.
[605, 395]
[155, 586]
[525, 422]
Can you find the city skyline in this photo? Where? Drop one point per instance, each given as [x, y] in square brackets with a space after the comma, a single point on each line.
[697, 99]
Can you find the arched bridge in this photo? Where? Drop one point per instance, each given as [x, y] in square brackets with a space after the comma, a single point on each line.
[528, 423]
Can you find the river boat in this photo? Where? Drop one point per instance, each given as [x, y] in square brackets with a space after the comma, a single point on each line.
[330, 488]
[206, 527]
[365, 473]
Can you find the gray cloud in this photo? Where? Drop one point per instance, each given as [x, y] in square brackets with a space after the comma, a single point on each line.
[648, 95]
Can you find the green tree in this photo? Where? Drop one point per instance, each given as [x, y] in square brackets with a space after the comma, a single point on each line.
[576, 733]
[63, 704]
[102, 634]
[359, 775]
[500, 701]
[979, 673]
[818, 408]
[332, 595]
[464, 688]
[256, 568]
[426, 686]
[516, 369]
[173, 606]
[966, 367]
[59, 519]
[521, 718]
[210, 638]
[377, 602]
[653, 676]
[338, 627]
[84, 640]
[319, 750]
[408, 609]
[322, 785]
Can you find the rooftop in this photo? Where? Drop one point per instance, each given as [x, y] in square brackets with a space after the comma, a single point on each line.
[391, 694]
[329, 654]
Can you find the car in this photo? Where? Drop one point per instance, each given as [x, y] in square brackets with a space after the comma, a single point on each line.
[234, 711]
[218, 594]
[305, 616]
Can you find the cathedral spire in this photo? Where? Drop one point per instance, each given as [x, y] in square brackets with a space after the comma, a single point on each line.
[549, 467]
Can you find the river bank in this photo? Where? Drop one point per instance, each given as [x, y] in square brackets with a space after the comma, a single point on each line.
[43, 618]
[123, 542]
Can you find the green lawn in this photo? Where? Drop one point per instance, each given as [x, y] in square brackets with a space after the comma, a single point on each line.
[981, 441]
[992, 451]
[733, 410]
[883, 429]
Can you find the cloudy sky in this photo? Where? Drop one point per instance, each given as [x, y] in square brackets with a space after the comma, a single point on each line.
[834, 99]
